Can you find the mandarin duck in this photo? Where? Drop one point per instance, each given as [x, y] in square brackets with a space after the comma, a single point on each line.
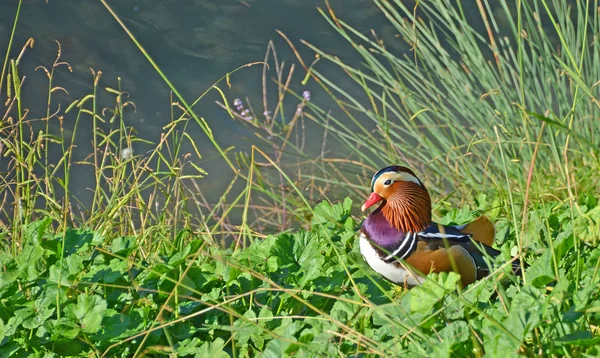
[401, 231]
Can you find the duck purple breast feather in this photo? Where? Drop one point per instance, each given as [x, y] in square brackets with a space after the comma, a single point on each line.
[379, 231]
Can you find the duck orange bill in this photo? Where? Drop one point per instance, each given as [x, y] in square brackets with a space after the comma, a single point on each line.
[373, 199]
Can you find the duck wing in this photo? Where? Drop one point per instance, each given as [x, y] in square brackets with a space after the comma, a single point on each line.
[481, 229]
[440, 245]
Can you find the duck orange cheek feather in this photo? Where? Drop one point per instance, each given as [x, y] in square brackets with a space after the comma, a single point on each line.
[371, 200]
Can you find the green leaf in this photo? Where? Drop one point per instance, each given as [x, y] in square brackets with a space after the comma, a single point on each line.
[55, 276]
[284, 250]
[247, 327]
[188, 347]
[458, 216]
[583, 296]
[36, 231]
[88, 312]
[276, 348]
[526, 311]
[37, 312]
[578, 339]
[76, 240]
[9, 272]
[343, 311]
[117, 326]
[29, 262]
[111, 273]
[212, 349]
[10, 349]
[435, 287]
[457, 331]
[179, 257]
[10, 327]
[124, 245]
[64, 327]
[330, 215]
[452, 336]
[74, 265]
[272, 264]
[307, 252]
[564, 242]
[540, 273]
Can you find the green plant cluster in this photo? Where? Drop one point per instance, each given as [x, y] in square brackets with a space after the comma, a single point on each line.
[303, 294]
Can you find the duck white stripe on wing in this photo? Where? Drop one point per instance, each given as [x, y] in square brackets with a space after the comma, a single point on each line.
[409, 238]
[442, 235]
[412, 247]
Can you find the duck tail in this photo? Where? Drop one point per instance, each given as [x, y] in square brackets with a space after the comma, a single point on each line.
[482, 230]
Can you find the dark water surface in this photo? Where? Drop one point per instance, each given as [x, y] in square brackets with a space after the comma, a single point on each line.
[194, 43]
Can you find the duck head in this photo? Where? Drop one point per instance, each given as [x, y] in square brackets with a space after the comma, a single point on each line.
[405, 202]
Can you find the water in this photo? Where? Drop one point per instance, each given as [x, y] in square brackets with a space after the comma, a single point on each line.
[193, 44]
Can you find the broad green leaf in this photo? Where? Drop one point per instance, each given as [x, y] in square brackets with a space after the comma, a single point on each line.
[541, 272]
[435, 287]
[330, 215]
[179, 257]
[188, 346]
[88, 312]
[275, 348]
[564, 242]
[246, 327]
[307, 253]
[36, 231]
[214, 349]
[283, 249]
[583, 296]
[578, 339]
[9, 273]
[76, 240]
[11, 327]
[29, 262]
[343, 311]
[123, 245]
[74, 265]
[37, 312]
[527, 309]
[452, 335]
[10, 349]
[55, 276]
[117, 326]
[63, 327]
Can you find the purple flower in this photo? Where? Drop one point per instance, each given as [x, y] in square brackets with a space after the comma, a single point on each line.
[245, 112]
[238, 102]
[247, 118]
[240, 107]
[306, 95]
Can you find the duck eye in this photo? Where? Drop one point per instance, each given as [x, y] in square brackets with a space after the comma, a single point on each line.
[387, 182]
